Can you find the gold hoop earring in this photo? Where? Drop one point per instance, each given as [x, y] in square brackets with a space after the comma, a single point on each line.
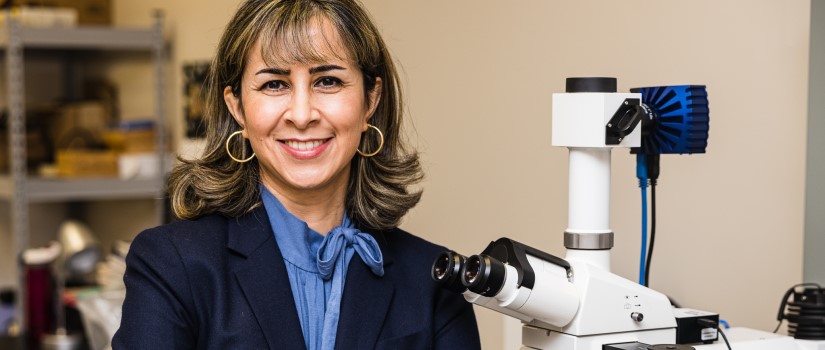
[380, 144]
[236, 133]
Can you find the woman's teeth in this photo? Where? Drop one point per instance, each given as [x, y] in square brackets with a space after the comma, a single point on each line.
[304, 145]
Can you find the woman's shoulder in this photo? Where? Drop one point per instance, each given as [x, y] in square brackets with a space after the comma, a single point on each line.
[400, 236]
[182, 228]
[203, 231]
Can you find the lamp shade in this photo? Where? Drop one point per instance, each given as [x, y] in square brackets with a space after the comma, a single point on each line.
[81, 251]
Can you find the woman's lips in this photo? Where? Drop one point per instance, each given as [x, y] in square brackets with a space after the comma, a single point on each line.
[305, 149]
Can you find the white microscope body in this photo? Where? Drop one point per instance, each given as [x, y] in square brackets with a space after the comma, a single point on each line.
[611, 309]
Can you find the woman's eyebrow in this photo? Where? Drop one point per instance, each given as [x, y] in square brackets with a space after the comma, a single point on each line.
[272, 70]
[325, 68]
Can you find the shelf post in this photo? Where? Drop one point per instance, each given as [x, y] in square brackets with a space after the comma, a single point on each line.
[158, 48]
[17, 154]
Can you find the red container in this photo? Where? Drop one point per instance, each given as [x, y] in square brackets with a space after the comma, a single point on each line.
[40, 308]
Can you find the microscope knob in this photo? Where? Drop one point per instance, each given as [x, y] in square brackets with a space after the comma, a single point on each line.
[637, 316]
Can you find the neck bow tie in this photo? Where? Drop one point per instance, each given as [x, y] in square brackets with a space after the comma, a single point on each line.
[331, 254]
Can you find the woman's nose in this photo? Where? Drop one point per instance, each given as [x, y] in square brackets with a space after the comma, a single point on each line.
[301, 112]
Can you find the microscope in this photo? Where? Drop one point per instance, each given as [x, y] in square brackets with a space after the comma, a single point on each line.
[575, 302]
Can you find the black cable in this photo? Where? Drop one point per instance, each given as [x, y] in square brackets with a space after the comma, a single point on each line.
[777, 326]
[652, 231]
[724, 337]
[713, 324]
[653, 175]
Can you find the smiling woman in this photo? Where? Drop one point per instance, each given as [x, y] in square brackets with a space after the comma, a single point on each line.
[304, 120]
[255, 57]
[305, 169]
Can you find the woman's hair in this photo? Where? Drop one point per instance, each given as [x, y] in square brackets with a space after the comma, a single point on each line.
[377, 193]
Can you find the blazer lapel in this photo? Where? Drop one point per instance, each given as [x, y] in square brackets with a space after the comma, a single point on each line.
[262, 275]
[365, 302]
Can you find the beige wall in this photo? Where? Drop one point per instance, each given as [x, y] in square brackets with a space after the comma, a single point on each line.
[479, 77]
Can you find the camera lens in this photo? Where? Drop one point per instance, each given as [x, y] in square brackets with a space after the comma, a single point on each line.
[483, 275]
[446, 271]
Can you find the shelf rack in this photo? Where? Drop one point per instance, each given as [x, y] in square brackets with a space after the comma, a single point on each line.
[20, 189]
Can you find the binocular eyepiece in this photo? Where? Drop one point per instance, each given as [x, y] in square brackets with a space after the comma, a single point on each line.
[513, 279]
[480, 274]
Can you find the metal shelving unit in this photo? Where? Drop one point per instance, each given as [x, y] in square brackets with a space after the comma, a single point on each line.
[20, 189]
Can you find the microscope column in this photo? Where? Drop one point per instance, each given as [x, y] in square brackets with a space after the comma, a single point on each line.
[588, 236]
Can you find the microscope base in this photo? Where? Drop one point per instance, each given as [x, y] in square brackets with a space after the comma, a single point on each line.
[538, 338]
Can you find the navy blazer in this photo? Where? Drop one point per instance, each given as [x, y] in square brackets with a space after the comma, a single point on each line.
[221, 283]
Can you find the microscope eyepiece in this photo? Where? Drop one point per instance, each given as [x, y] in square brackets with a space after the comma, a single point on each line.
[484, 275]
[472, 271]
[447, 271]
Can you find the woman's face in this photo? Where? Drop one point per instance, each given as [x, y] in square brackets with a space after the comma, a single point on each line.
[304, 121]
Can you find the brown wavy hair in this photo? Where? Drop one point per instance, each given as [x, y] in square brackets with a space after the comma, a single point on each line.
[377, 194]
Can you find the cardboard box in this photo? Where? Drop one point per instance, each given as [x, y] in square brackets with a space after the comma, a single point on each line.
[87, 163]
[131, 141]
[89, 12]
[43, 17]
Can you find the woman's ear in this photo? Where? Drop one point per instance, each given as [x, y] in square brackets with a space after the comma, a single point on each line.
[233, 103]
[374, 96]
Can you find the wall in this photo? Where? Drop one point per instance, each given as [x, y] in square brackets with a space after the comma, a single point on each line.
[815, 185]
[479, 77]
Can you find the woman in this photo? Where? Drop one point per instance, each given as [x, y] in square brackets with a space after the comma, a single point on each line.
[294, 244]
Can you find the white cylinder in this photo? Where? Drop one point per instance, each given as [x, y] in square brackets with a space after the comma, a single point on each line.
[553, 299]
[589, 190]
[589, 201]
[493, 304]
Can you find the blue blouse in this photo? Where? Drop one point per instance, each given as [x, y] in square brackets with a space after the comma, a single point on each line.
[316, 266]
